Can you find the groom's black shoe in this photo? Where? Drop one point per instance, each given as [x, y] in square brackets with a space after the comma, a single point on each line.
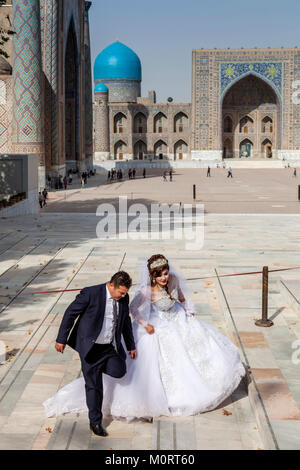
[98, 430]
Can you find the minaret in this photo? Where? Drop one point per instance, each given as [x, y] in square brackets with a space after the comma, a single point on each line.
[27, 82]
[101, 124]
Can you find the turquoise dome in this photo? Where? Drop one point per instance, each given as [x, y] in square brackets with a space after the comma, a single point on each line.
[117, 61]
[101, 88]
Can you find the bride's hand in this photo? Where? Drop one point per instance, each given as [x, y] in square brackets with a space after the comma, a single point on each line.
[150, 329]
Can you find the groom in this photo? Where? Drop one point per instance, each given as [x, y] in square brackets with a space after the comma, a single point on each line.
[103, 315]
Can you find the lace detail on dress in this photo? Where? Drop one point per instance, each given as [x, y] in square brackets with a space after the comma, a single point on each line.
[165, 303]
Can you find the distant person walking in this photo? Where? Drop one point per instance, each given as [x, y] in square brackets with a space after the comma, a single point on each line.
[295, 172]
[65, 182]
[165, 176]
[41, 200]
[208, 171]
[171, 175]
[229, 173]
[144, 172]
[133, 173]
[45, 196]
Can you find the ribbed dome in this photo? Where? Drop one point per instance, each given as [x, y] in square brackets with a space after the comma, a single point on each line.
[101, 88]
[117, 61]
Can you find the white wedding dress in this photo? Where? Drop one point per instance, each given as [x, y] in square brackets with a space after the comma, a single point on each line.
[186, 367]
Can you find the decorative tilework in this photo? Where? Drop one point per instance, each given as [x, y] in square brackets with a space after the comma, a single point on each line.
[49, 11]
[27, 76]
[230, 71]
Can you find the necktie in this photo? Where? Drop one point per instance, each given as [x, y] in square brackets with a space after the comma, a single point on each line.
[115, 313]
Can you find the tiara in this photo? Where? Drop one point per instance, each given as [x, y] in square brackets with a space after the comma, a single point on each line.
[159, 262]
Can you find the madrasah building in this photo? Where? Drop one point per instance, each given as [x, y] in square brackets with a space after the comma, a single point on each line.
[244, 107]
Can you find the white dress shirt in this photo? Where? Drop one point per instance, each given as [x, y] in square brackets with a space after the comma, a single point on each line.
[106, 333]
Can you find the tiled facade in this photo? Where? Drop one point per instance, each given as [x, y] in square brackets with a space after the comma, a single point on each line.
[141, 131]
[216, 72]
[35, 91]
[242, 105]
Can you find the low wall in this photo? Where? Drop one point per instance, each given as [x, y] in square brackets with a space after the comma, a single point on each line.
[19, 174]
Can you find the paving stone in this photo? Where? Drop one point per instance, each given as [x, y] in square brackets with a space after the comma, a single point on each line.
[16, 441]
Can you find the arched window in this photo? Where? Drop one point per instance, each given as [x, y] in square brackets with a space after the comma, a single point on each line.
[140, 124]
[266, 148]
[180, 148]
[160, 149]
[227, 149]
[181, 122]
[120, 123]
[267, 125]
[119, 150]
[227, 124]
[246, 125]
[139, 150]
[246, 148]
[160, 123]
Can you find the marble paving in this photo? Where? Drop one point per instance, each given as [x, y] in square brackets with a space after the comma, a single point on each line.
[56, 251]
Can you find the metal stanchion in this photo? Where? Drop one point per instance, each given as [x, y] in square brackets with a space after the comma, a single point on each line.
[194, 191]
[264, 320]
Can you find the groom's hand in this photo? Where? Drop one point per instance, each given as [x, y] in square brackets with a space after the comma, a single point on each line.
[60, 347]
[133, 354]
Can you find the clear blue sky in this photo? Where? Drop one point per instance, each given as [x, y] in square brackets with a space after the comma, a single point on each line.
[164, 32]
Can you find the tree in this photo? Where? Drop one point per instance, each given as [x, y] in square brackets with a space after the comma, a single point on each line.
[5, 33]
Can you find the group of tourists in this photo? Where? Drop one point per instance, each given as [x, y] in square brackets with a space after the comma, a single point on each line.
[62, 182]
[118, 174]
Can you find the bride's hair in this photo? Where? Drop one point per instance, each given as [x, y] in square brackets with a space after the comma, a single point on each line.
[156, 265]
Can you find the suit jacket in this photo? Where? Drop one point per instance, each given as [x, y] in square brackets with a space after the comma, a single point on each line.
[89, 309]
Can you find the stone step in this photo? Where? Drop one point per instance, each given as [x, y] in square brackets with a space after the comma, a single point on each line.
[254, 164]
[244, 163]
[273, 388]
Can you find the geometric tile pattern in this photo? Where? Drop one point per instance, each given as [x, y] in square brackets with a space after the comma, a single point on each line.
[27, 87]
[88, 86]
[230, 71]
[216, 71]
[49, 53]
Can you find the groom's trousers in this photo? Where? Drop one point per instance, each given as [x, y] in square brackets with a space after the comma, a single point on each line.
[101, 359]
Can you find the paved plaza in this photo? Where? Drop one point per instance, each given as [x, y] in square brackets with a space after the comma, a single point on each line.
[253, 191]
[58, 249]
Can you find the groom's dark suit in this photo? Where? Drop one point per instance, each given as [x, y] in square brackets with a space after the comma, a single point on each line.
[89, 308]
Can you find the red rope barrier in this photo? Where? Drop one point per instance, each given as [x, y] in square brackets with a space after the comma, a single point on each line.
[188, 279]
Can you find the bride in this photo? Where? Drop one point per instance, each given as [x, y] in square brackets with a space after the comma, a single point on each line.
[184, 366]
